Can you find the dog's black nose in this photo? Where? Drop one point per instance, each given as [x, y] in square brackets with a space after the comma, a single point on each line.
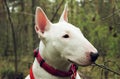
[94, 56]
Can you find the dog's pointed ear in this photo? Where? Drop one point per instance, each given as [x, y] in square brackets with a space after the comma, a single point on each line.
[64, 14]
[42, 23]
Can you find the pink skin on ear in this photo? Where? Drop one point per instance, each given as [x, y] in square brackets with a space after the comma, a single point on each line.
[65, 15]
[41, 20]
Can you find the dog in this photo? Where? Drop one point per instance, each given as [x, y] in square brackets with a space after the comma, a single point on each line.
[62, 48]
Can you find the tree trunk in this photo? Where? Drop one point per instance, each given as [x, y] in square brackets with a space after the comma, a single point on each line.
[13, 36]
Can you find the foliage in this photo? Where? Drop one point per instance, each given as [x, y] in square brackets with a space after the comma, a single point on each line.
[7, 72]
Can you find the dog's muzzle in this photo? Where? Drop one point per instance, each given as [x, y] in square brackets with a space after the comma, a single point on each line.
[94, 56]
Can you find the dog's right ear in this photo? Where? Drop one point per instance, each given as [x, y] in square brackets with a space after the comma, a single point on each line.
[64, 14]
[42, 23]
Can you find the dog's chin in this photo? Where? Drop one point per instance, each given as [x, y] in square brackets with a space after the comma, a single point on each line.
[81, 64]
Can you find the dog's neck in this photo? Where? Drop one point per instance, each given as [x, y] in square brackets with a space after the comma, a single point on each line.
[52, 58]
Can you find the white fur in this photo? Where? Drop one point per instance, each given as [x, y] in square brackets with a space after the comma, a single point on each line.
[56, 50]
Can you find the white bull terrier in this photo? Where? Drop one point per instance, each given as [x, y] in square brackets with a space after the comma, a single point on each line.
[61, 48]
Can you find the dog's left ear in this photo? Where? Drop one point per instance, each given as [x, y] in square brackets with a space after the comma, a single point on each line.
[64, 14]
[41, 20]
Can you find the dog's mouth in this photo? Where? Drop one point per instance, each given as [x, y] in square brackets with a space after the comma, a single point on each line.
[81, 64]
[72, 62]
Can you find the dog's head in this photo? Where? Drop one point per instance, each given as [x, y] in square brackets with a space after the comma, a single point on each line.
[64, 38]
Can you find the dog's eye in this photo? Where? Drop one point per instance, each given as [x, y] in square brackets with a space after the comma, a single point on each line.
[66, 36]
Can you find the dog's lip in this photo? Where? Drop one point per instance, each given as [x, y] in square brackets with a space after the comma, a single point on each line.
[72, 62]
[80, 64]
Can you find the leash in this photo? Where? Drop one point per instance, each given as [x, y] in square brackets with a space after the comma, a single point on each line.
[106, 68]
[72, 71]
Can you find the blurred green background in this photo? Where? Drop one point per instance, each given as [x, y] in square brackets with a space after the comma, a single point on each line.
[99, 20]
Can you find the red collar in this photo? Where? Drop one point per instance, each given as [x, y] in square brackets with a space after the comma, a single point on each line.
[51, 70]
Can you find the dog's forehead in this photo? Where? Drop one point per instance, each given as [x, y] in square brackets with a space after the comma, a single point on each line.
[57, 30]
[64, 26]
